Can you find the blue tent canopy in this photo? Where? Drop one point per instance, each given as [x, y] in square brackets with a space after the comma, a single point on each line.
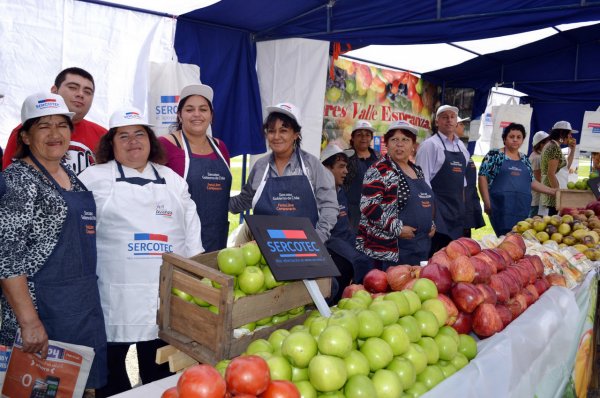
[559, 74]
[222, 38]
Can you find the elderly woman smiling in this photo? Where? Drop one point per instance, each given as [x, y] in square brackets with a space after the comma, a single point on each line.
[397, 204]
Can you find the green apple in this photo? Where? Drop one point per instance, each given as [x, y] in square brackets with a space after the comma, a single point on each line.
[251, 280]
[251, 253]
[369, 324]
[354, 303]
[299, 348]
[231, 261]
[427, 322]
[414, 302]
[270, 281]
[335, 340]
[447, 346]
[467, 346]
[396, 337]
[416, 390]
[280, 368]
[447, 368]
[264, 321]
[259, 345]
[364, 296]
[405, 370]
[198, 300]
[425, 289]
[297, 311]
[317, 325]
[347, 319]
[251, 326]
[306, 389]
[280, 318]
[459, 360]
[411, 327]
[213, 309]
[327, 373]
[449, 331]
[378, 353]
[359, 386]
[299, 328]
[387, 311]
[237, 294]
[357, 363]
[299, 374]
[387, 384]
[401, 302]
[431, 349]
[181, 294]
[221, 366]
[276, 339]
[437, 308]
[431, 376]
[417, 356]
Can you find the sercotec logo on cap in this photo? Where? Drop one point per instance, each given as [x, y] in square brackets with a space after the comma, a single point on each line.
[286, 107]
[47, 103]
[132, 115]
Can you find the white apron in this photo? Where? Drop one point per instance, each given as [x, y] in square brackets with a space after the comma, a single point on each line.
[136, 225]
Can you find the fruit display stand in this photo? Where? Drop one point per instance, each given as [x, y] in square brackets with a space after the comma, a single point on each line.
[209, 337]
[573, 198]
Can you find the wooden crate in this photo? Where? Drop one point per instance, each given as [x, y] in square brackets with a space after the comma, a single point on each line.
[206, 336]
[573, 198]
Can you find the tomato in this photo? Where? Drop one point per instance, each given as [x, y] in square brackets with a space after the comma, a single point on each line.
[170, 393]
[201, 381]
[248, 374]
[281, 389]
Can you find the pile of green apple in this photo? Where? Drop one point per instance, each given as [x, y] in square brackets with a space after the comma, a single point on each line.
[581, 185]
[394, 345]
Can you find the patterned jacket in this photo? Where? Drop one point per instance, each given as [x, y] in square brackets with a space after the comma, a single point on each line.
[385, 192]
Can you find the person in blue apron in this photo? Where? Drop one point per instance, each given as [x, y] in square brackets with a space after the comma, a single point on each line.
[443, 159]
[506, 180]
[361, 157]
[352, 264]
[203, 161]
[144, 210]
[397, 206]
[289, 181]
[48, 245]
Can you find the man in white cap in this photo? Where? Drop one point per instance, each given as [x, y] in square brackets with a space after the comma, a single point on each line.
[362, 158]
[352, 264]
[443, 159]
[77, 88]
[539, 140]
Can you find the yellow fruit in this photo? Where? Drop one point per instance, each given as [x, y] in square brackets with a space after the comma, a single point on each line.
[583, 365]
[580, 247]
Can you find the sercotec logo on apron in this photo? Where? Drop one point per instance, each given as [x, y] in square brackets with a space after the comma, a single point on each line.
[146, 245]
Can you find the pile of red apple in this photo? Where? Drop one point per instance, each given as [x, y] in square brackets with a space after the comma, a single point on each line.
[483, 290]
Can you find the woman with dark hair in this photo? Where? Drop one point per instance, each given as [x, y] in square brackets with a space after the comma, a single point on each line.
[506, 181]
[535, 157]
[299, 182]
[48, 241]
[553, 160]
[397, 205]
[203, 161]
[144, 210]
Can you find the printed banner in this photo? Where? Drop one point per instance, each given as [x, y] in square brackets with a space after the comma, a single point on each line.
[590, 132]
[380, 96]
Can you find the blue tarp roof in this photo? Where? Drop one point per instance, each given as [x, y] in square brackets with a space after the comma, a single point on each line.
[222, 38]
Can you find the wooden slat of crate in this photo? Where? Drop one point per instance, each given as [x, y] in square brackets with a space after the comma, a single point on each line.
[573, 198]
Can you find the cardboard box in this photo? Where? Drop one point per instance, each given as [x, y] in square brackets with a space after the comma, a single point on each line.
[573, 198]
[206, 336]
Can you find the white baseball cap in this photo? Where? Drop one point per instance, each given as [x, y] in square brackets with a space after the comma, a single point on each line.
[286, 108]
[363, 125]
[445, 108]
[128, 117]
[331, 150]
[44, 104]
[539, 137]
[563, 125]
[402, 125]
[197, 89]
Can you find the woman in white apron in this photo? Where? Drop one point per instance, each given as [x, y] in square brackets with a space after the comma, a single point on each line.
[289, 181]
[144, 210]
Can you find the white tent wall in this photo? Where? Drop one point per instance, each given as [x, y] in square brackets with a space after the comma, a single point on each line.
[295, 70]
[40, 38]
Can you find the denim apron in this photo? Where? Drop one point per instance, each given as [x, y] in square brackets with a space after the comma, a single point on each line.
[66, 286]
[473, 214]
[417, 213]
[290, 196]
[448, 187]
[209, 183]
[510, 196]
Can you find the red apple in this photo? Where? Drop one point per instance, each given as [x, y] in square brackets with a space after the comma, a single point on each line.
[409, 285]
[529, 298]
[462, 269]
[489, 295]
[505, 314]
[537, 263]
[440, 257]
[375, 281]
[520, 272]
[398, 276]
[517, 305]
[439, 274]
[456, 249]
[513, 249]
[528, 265]
[497, 258]
[450, 308]
[512, 281]
[491, 263]
[471, 245]
[556, 280]
[486, 320]
[541, 285]
[533, 291]
[466, 296]
[516, 239]
[500, 288]
[507, 258]
[464, 323]
[482, 270]
[351, 289]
